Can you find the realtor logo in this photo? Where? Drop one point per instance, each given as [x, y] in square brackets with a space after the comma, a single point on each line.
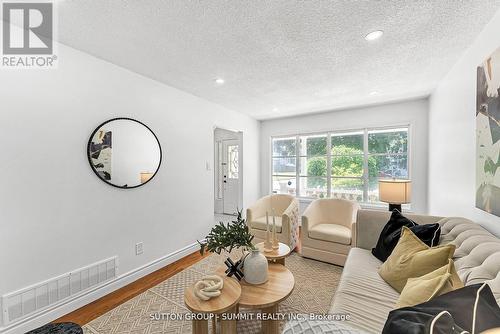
[27, 35]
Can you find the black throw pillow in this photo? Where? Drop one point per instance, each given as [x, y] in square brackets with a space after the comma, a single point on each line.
[391, 233]
[449, 313]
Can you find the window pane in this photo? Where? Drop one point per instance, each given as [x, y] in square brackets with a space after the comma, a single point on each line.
[284, 185]
[313, 187]
[373, 190]
[283, 147]
[232, 161]
[350, 188]
[315, 166]
[386, 166]
[347, 165]
[348, 143]
[388, 141]
[284, 166]
[313, 145]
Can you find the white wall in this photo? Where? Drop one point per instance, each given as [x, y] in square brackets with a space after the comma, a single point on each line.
[452, 156]
[134, 151]
[413, 112]
[56, 215]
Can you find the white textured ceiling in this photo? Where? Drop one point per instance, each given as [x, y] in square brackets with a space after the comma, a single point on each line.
[280, 58]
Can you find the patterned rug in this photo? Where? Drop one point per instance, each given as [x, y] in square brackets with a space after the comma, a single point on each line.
[315, 284]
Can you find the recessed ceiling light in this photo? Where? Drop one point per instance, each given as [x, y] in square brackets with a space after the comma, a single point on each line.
[219, 81]
[374, 93]
[275, 109]
[374, 35]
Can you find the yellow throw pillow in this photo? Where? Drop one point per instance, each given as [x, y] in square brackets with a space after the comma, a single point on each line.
[413, 258]
[421, 289]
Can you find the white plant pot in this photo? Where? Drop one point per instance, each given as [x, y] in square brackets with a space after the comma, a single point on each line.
[255, 268]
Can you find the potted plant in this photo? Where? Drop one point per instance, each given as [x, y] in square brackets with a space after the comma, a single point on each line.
[236, 235]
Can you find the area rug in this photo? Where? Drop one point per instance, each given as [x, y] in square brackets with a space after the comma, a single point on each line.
[315, 285]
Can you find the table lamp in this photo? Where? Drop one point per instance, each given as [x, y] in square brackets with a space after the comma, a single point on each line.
[395, 192]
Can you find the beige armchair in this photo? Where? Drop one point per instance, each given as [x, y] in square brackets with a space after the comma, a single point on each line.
[287, 218]
[329, 230]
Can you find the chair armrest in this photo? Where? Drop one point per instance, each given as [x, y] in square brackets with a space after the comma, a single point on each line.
[291, 213]
[311, 216]
[258, 209]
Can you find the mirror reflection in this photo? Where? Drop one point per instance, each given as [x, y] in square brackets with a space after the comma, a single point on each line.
[124, 153]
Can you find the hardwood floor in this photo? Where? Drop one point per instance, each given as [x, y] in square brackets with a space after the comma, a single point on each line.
[97, 308]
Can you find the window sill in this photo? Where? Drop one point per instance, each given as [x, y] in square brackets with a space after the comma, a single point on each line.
[368, 206]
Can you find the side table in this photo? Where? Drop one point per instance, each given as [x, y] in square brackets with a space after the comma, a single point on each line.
[225, 303]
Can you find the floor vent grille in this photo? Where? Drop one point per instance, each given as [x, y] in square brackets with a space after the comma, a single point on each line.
[25, 302]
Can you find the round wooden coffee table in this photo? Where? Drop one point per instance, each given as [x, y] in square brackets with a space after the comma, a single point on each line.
[225, 303]
[276, 255]
[267, 296]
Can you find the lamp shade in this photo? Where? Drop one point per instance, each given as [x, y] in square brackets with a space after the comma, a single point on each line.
[395, 191]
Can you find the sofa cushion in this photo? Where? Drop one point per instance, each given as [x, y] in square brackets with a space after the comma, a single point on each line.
[413, 258]
[362, 293]
[389, 237]
[421, 289]
[260, 223]
[331, 232]
[472, 308]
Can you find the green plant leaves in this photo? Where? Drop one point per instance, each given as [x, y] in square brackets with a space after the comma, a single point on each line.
[226, 237]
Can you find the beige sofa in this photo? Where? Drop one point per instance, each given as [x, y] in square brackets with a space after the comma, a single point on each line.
[287, 214]
[329, 230]
[368, 299]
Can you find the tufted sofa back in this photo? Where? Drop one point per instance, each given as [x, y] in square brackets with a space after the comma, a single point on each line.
[477, 256]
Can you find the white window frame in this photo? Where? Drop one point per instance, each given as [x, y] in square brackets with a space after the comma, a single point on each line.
[366, 155]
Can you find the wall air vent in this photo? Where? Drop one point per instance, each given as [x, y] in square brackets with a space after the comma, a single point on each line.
[41, 296]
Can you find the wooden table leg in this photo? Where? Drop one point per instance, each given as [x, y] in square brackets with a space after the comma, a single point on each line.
[214, 324]
[200, 326]
[229, 326]
[270, 326]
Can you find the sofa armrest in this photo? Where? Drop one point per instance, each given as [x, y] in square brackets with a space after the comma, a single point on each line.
[354, 234]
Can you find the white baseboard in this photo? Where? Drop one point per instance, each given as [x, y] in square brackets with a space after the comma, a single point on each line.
[78, 301]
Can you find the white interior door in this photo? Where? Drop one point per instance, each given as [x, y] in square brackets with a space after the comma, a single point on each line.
[230, 176]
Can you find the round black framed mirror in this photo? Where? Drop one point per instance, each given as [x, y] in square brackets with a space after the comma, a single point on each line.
[124, 153]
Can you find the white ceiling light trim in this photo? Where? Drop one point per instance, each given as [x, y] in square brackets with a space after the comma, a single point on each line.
[374, 35]
[219, 81]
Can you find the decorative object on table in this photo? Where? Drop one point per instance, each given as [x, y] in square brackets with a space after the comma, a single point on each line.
[268, 246]
[124, 153]
[234, 268]
[488, 135]
[395, 192]
[276, 255]
[255, 267]
[208, 287]
[236, 235]
[275, 244]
